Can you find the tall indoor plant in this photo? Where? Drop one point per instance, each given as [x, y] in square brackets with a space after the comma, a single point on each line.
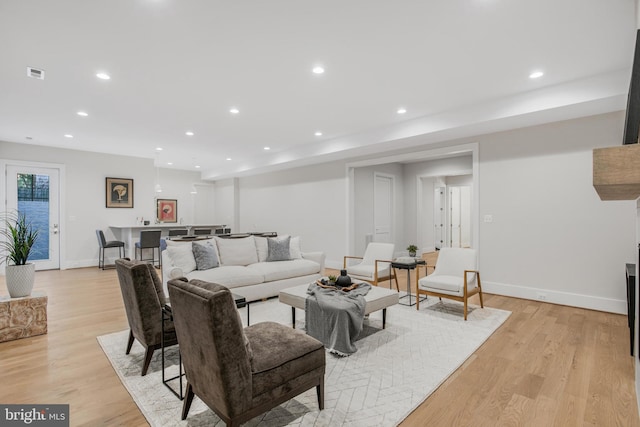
[18, 238]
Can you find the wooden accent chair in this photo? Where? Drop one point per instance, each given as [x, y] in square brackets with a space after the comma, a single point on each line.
[239, 373]
[143, 298]
[456, 277]
[375, 266]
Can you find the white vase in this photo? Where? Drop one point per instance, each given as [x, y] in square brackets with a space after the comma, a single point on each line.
[20, 279]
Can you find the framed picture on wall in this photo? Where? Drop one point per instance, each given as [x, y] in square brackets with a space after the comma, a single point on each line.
[167, 210]
[119, 193]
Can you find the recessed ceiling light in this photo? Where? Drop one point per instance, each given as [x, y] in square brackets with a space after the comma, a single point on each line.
[159, 149]
[170, 163]
[318, 134]
[318, 69]
[402, 110]
[228, 158]
[103, 76]
[68, 135]
[267, 148]
[189, 133]
[82, 113]
[197, 166]
[536, 75]
[234, 110]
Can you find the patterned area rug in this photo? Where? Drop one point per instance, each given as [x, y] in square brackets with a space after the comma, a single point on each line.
[394, 370]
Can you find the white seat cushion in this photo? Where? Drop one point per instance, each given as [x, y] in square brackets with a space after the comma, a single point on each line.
[231, 276]
[278, 270]
[451, 285]
[366, 271]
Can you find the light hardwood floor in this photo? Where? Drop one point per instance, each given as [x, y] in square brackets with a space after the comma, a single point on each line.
[547, 365]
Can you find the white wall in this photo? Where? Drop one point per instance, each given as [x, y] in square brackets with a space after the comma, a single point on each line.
[84, 210]
[309, 202]
[226, 203]
[551, 234]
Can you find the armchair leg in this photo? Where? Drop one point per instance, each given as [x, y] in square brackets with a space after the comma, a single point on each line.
[130, 343]
[320, 392]
[147, 360]
[465, 309]
[188, 398]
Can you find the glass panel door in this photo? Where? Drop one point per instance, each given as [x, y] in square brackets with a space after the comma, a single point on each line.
[34, 192]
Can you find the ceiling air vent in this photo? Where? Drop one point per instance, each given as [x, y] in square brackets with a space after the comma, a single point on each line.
[35, 73]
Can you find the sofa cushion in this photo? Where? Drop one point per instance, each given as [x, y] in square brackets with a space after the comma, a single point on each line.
[205, 254]
[285, 269]
[294, 248]
[181, 256]
[278, 248]
[237, 251]
[262, 248]
[231, 276]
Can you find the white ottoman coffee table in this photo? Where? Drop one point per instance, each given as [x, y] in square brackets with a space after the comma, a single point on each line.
[376, 299]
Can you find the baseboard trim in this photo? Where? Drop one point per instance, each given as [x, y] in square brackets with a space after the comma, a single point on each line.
[83, 263]
[556, 297]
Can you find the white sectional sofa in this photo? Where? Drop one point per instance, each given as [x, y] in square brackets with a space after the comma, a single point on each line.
[254, 267]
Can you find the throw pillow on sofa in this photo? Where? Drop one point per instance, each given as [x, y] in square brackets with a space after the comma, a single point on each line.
[278, 249]
[181, 255]
[240, 251]
[205, 255]
[263, 248]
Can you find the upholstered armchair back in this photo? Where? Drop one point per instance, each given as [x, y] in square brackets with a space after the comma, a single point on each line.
[377, 250]
[454, 261]
[143, 298]
[214, 354]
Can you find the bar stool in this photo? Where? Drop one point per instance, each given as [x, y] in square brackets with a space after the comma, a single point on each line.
[104, 244]
[150, 239]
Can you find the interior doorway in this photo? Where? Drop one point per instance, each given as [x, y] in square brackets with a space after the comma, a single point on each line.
[445, 212]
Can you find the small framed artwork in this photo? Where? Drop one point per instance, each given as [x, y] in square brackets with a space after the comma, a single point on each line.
[119, 193]
[167, 210]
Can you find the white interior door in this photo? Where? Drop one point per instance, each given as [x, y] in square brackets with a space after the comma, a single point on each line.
[383, 208]
[454, 217]
[34, 191]
[465, 217]
[459, 216]
[439, 217]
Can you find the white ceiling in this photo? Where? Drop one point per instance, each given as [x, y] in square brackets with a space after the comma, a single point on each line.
[459, 67]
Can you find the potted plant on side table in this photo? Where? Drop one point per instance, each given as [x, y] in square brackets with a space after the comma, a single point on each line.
[412, 250]
[18, 238]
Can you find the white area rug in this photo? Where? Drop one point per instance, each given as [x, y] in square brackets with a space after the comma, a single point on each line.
[394, 370]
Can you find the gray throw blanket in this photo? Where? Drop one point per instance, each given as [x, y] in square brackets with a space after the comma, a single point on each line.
[335, 317]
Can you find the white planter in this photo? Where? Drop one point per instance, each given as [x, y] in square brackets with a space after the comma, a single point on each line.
[20, 279]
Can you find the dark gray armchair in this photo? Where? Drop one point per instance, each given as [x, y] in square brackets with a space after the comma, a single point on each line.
[143, 299]
[239, 373]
